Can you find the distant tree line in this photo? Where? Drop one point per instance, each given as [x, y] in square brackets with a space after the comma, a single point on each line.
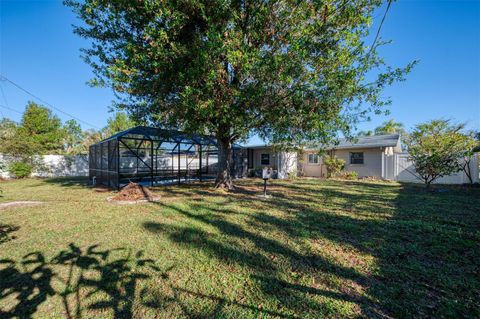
[41, 132]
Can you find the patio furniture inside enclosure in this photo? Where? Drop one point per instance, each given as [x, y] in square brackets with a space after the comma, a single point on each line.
[152, 156]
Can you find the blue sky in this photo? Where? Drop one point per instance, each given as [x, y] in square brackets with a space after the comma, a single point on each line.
[39, 51]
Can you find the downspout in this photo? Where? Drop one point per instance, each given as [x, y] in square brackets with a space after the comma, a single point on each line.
[279, 167]
[383, 162]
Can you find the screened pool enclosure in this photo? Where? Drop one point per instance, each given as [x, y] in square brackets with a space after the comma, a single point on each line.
[152, 156]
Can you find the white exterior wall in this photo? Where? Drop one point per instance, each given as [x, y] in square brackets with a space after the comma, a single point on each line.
[287, 163]
[283, 162]
[404, 171]
[53, 166]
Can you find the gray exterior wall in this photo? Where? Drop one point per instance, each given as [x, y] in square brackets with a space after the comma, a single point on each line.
[372, 163]
[257, 156]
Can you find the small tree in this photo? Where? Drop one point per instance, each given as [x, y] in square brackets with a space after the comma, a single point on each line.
[334, 165]
[471, 143]
[437, 148]
[42, 129]
[73, 137]
[120, 121]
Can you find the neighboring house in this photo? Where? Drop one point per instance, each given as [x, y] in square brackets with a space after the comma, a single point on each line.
[379, 156]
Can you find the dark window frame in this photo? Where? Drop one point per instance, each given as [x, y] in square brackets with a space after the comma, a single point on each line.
[263, 161]
[314, 156]
[357, 160]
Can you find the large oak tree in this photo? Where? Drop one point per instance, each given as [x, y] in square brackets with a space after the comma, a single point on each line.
[290, 71]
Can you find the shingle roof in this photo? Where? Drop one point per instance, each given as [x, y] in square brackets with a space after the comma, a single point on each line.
[390, 140]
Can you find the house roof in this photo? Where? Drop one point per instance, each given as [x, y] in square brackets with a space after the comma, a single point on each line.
[390, 140]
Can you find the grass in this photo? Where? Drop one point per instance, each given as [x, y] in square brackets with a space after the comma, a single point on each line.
[317, 248]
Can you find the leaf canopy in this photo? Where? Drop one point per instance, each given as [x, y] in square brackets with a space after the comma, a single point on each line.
[291, 71]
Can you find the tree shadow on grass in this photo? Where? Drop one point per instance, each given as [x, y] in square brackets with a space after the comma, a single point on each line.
[267, 262]
[6, 232]
[425, 245]
[85, 279]
[70, 181]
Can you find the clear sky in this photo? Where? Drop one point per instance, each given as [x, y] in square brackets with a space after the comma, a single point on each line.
[39, 51]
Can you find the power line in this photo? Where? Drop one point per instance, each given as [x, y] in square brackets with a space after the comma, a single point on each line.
[380, 27]
[9, 108]
[46, 103]
[4, 98]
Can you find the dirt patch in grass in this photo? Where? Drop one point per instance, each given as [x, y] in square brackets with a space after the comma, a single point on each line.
[19, 204]
[134, 192]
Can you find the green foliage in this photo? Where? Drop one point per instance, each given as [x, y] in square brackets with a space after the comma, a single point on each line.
[350, 175]
[20, 169]
[365, 133]
[13, 140]
[390, 127]
[294, 174]
[291, 71]
[73, 137]
[119, 122]
[42, 129]
[438, 148]
[39, 132]
[334, 165]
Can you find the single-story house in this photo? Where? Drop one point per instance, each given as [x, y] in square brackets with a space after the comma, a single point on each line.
[366, 156]
[379, 156]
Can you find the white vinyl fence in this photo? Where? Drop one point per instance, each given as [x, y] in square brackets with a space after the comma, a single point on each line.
[398, 167]
[51, 165]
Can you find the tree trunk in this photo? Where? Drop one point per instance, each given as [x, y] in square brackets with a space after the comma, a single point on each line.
[466, 169]
[427, 183]
[224, 177]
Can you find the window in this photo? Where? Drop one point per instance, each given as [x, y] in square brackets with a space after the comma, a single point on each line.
[356, 158]
[265, 159]
[312, 158]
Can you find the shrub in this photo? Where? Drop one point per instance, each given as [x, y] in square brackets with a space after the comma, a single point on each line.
[20, 169]
[334, 165]
[349, 175]
[293, 174]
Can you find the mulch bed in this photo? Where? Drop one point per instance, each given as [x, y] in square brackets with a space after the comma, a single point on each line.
[133, 193]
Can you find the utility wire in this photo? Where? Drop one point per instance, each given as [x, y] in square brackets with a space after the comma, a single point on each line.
[380, 27]
[2, 77]
[4, 98]
[9, 108]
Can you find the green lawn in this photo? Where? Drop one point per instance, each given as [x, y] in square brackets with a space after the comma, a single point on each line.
[316, 248]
